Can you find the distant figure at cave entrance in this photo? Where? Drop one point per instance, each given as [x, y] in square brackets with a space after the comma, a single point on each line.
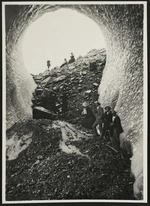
[72, 59]
[65, 63]
[99, 115]
[48, 64]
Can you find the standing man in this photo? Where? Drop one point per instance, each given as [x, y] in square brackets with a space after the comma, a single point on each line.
[89, 117]
[99, 115]
[107, 120]
[48, 64]
[117, 130]
[65, 63]
[72, 59]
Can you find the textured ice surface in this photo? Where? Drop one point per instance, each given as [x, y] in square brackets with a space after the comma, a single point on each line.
[19, 88]
[122, 83]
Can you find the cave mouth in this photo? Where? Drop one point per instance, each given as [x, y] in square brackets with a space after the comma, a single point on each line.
[116, 31]
[55, 35]
[46, 43]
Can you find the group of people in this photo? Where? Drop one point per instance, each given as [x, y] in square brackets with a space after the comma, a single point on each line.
[108, 121]
[71, 60]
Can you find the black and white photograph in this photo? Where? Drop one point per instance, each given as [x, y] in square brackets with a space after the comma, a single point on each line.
[74, 101]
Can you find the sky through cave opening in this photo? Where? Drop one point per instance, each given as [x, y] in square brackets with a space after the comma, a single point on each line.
[55, 35]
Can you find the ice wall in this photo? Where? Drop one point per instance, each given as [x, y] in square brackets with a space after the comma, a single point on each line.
[19, 83]
[122, 83]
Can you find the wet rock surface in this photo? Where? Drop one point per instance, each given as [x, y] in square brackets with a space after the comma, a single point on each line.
[44, 172]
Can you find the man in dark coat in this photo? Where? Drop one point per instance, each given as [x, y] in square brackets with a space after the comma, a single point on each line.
[107, 121]
[117, 130]
[98, 114]
[89, 117]
[72, 59]
[48, 64]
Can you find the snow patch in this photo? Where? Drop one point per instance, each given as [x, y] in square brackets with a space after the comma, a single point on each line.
[70, 134]
[15, 145]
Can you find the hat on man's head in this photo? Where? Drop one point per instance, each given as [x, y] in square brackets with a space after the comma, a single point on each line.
[85, 104]
[108, 107]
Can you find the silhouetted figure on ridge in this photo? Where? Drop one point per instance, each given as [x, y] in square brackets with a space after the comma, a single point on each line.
[65, 63]
[99, 115]
[48, 64]
[89, 117]
[72, 59]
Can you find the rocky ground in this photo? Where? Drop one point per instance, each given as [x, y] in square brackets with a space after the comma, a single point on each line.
[44, 172]
[48, 161]
[79, 80]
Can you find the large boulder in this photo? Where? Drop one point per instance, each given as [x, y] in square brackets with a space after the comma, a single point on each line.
[42, 113]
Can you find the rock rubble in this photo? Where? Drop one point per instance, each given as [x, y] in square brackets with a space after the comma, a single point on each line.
[79, 80]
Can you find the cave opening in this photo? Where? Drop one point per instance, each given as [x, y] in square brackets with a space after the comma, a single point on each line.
[55, 35]
[49, 41]
[119, 32]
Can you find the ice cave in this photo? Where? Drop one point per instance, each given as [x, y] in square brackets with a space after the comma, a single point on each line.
[122, 81]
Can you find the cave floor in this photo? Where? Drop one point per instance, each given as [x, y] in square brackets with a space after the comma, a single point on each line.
[44, 172]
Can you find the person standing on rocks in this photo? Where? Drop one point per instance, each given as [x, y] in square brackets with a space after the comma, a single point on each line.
[89, 117]
[99, 115]
[48, 64]
[107, 121]
[65, 63]
[72, 59]
[117, 130]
